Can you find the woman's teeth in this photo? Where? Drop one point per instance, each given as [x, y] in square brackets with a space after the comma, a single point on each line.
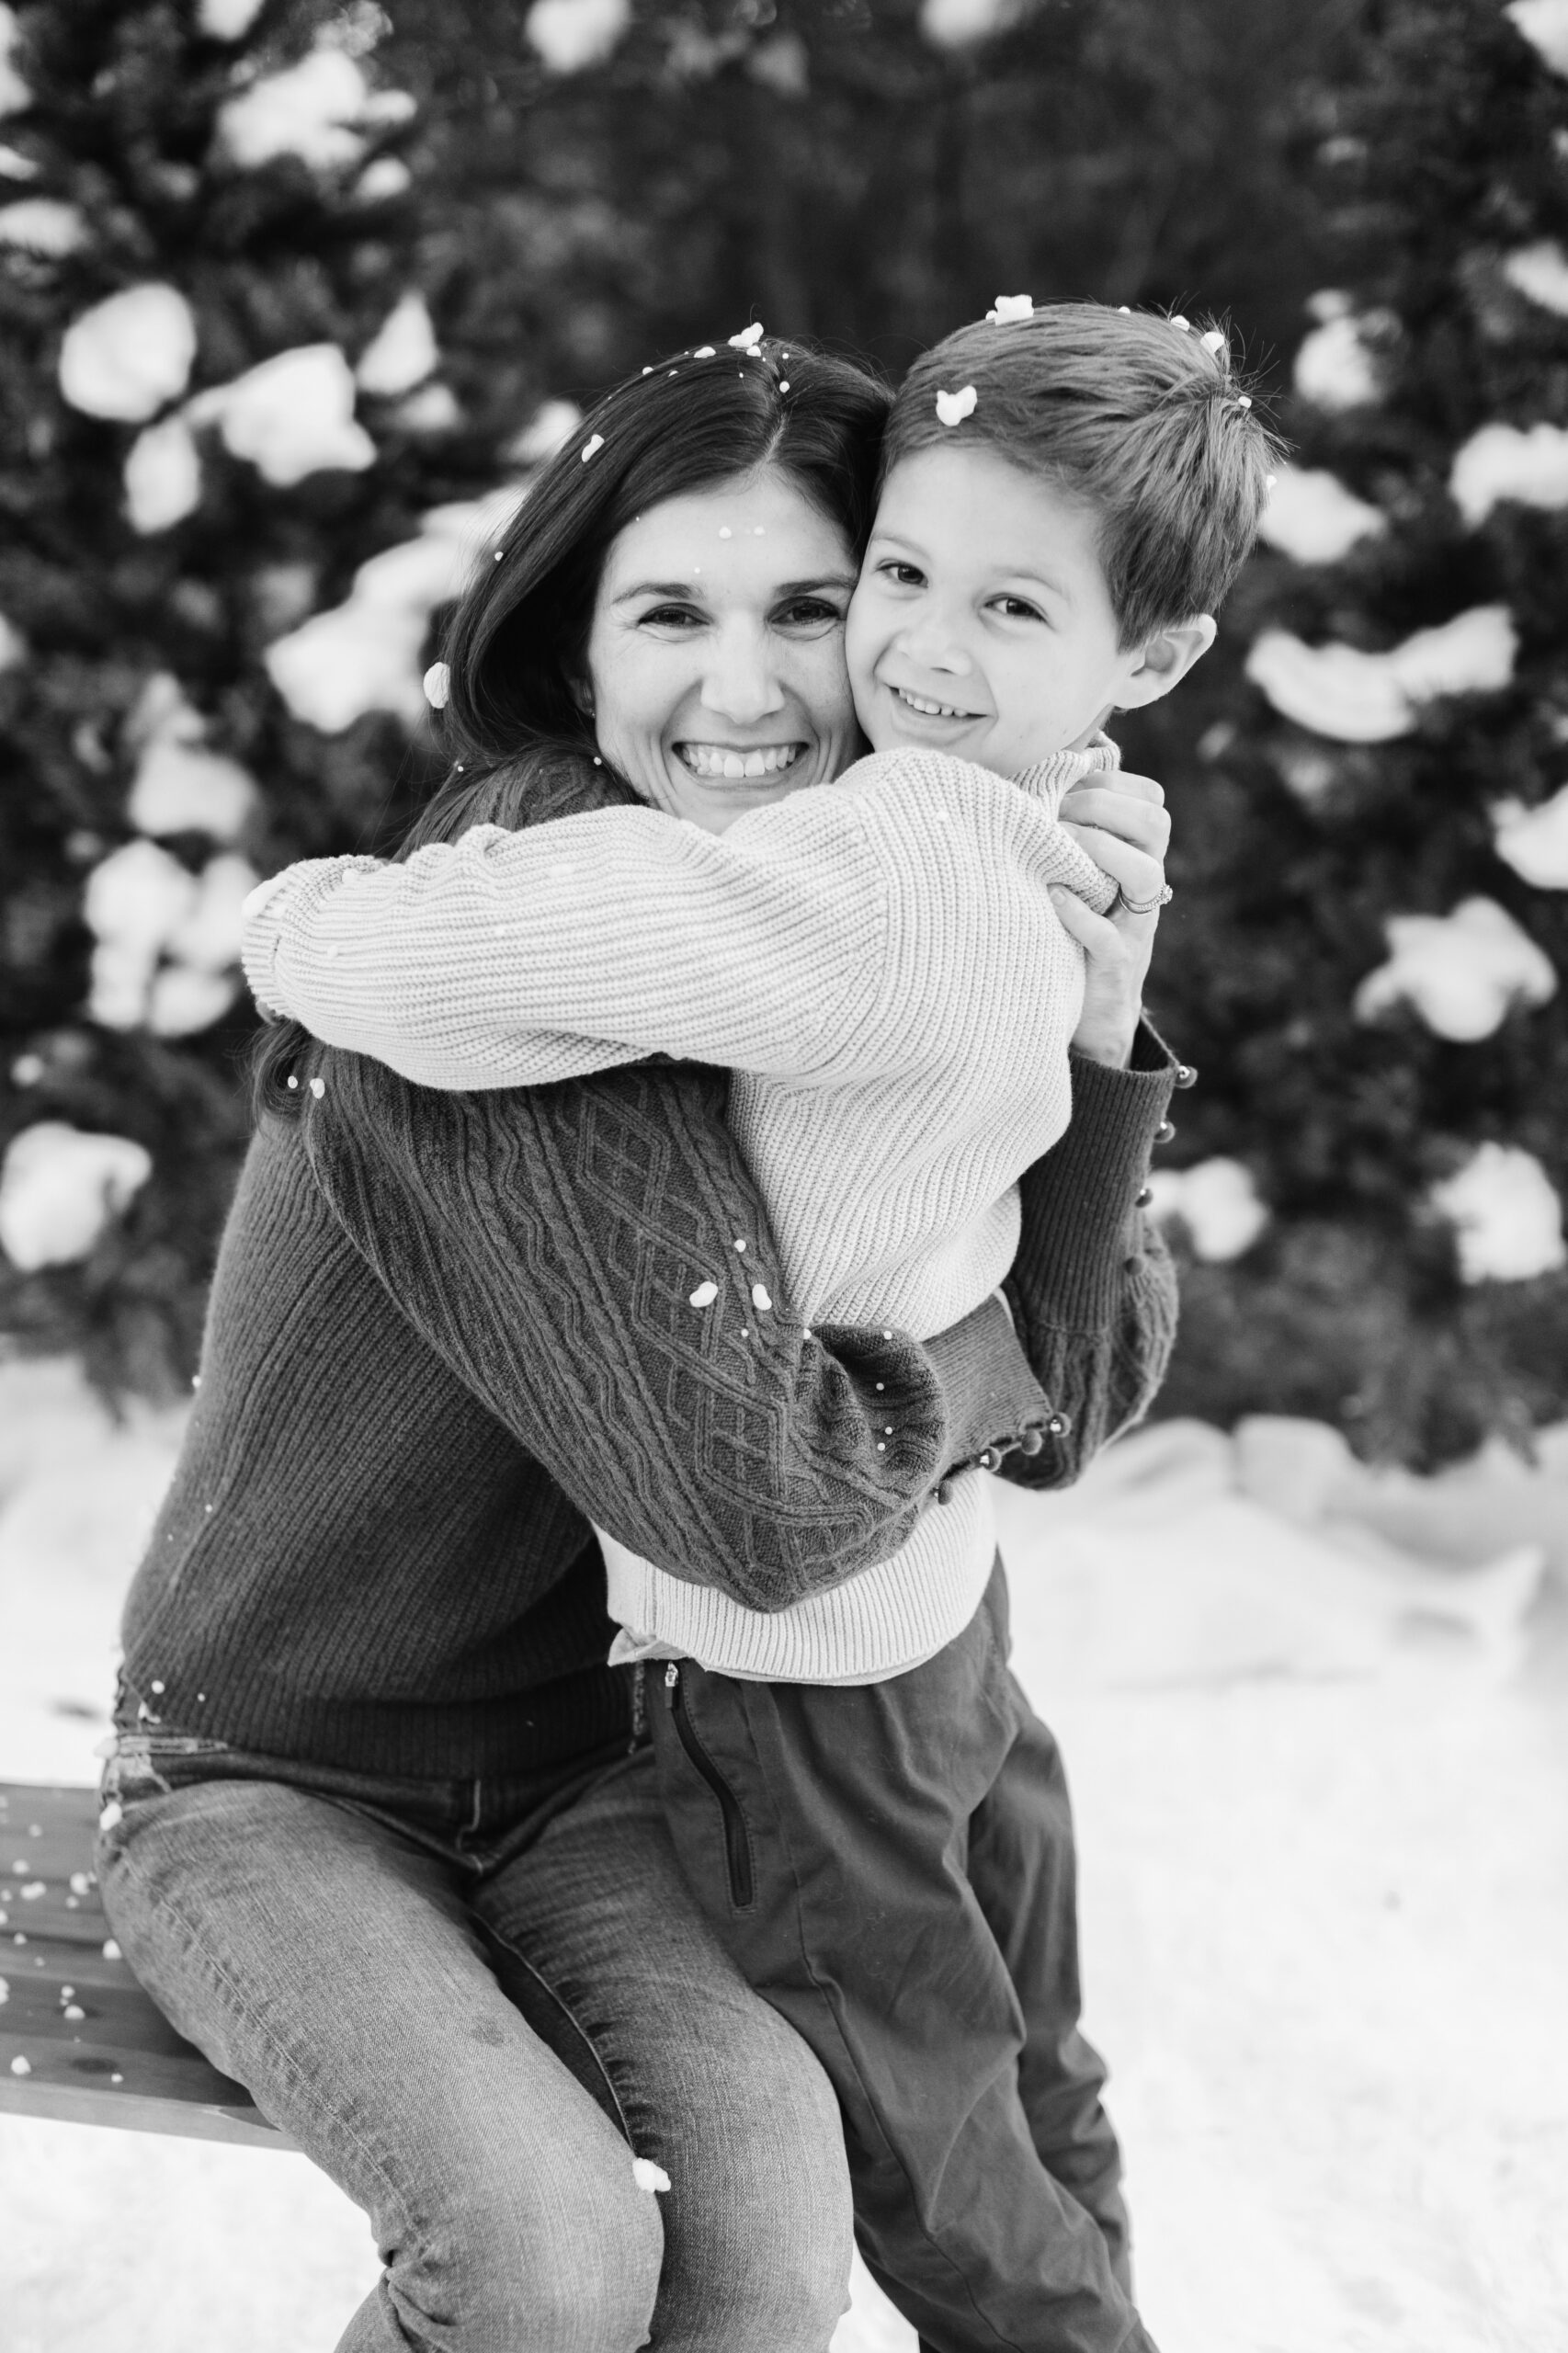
[712, 759]
[930, 710]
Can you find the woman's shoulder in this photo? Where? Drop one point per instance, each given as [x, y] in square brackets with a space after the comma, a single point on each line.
[534, 785]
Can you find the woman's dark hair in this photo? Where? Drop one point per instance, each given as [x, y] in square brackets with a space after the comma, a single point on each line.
[515, 646]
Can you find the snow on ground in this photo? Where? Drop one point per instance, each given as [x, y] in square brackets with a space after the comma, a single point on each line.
[1313, 1722]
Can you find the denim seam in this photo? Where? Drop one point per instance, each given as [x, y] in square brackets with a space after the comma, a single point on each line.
[564, 2006]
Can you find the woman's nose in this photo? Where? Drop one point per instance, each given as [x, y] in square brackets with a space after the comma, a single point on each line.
[740, 683]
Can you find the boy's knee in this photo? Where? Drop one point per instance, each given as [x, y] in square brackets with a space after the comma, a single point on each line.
[782, 2237]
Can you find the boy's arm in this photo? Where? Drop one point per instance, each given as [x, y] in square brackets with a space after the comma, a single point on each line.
[546, 1244]
[513, 959]
[1093, 1288]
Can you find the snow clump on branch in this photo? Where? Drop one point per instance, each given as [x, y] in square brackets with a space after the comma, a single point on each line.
[1462, 972]
[402, 351]
[568, 36]
[60, 1188]
[292, 415]
[1313, 517]
[364, 654]
[1336, 368]
[1541, 272]
[1358, 698]
[180, 786]
[960, 24]
[1218, 1203]
[227, 19]
[1507, 1214]
[163, 476]
[1534, 842]
[142, 906]
[15, 95]
[1544, 24]
[42, 225]
[318, 110]
[1527, 464]
[129, 354]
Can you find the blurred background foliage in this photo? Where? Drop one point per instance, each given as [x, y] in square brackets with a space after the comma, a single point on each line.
[481, 210]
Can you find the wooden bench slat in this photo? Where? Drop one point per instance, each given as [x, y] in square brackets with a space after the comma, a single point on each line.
[121, 2015]
[121, 2062]
[129, 2112]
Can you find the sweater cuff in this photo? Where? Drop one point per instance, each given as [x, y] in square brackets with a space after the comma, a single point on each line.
[989, 1389]
[1083, 1228]
[264, 918]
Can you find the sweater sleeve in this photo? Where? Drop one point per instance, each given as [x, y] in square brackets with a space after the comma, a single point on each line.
[1093, 1288]
[511, 959]
[546, 1244]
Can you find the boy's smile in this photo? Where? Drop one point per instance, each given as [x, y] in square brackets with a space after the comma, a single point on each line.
[982, 624]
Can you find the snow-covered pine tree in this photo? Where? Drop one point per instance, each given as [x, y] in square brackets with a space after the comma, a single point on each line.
[232, 452]
[1370, 934]
[223, 398]
[626, 178]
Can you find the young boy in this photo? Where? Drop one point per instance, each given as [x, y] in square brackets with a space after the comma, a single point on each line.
[1066, 498]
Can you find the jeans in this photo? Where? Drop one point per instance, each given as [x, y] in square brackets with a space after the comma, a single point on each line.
[474, 2005]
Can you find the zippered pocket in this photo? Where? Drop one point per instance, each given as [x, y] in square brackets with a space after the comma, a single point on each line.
[737, 1845]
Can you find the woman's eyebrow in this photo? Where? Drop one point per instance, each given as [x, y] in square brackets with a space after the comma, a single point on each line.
[657, 588]
[687, 588]
[822, 580]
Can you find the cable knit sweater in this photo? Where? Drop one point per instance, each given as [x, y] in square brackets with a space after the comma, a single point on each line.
[881, 965]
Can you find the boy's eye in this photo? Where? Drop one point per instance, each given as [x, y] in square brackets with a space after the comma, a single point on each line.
[903, 575]
[1018, 609]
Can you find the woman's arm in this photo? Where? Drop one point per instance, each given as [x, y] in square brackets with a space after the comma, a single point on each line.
[1093, 1286]
[547, 1243]
[1093, 1289]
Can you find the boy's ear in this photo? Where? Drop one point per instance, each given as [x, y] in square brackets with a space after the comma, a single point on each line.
[1165, 660]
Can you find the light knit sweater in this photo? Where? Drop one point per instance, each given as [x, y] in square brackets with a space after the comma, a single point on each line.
[879, 964]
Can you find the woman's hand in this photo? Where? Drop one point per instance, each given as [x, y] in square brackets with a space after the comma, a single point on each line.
[1122, 823]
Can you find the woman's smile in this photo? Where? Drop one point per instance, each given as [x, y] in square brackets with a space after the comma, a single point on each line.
[731, 760]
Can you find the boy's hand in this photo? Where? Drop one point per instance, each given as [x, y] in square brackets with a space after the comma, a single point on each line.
[1122, 821]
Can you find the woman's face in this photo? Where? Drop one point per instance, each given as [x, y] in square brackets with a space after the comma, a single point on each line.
[716, 650]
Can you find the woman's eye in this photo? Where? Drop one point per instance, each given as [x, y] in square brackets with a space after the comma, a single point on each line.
[808, 612]
[669, 617]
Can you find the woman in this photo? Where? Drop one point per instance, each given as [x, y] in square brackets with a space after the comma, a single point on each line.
[386, 1845]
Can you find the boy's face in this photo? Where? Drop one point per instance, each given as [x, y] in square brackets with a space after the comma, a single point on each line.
[982, 625]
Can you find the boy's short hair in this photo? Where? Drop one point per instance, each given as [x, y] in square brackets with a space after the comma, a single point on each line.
[1140, 417]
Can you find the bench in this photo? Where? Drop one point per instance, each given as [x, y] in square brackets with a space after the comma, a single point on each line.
[79, 2039]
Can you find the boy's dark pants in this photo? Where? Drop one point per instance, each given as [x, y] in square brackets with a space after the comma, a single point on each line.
[891, 1866]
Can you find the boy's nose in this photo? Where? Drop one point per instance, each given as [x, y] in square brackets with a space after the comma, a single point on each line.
[935, 645]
